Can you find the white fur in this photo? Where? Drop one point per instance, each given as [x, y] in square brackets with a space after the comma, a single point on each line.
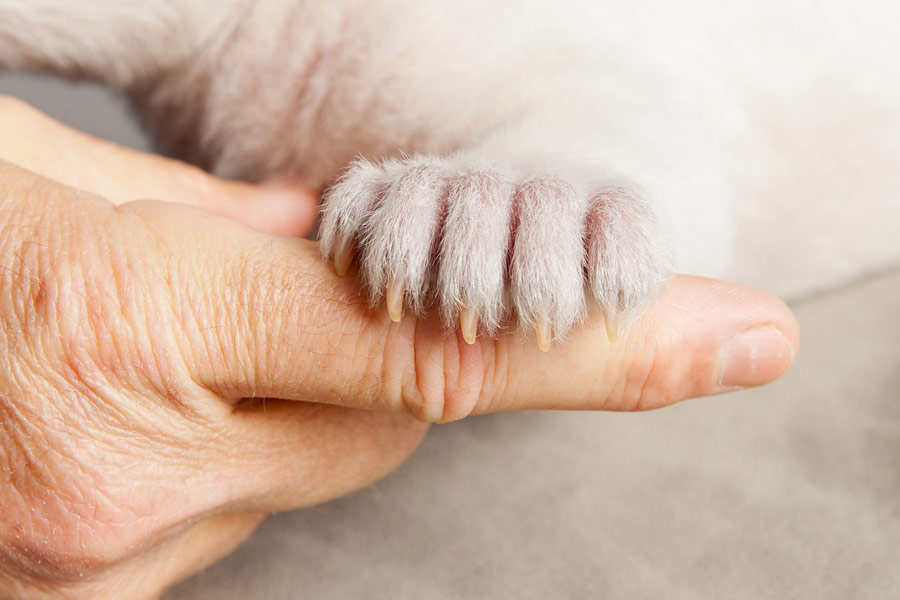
[479, 218]
[760, 138]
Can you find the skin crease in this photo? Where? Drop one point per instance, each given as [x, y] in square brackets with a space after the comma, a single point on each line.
[132, 331]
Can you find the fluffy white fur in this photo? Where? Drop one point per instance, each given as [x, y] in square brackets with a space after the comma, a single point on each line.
[518, 158]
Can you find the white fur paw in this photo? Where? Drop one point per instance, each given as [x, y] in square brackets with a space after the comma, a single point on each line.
[488, 246]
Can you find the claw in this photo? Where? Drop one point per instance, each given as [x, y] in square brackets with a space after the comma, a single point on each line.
[468, 323]
[394, 297]
[612, 325]
[343, 255]
[543, 334]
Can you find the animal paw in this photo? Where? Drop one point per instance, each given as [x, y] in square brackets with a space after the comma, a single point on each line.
[487, 246]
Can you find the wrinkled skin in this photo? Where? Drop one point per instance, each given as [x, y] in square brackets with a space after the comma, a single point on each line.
[121, 472]
[143, 344]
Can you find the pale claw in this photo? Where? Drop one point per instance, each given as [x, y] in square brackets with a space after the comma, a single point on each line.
[394, 298]
[468, 323]
[612, 326]
[343, 255]
[543, 334]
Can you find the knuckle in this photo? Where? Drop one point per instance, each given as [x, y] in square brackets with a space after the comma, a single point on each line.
[651, 377]
[73, 320]
[448, 377]
[74, 309]
[29, 282]
[640, 384]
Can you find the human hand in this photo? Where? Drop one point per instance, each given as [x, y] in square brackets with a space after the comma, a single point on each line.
[118, 476]
[133, 335]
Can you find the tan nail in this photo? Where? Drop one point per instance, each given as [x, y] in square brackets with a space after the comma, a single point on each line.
[343, 255]
[543, 334]
[468, 324]
[612, 326]
[394, 298]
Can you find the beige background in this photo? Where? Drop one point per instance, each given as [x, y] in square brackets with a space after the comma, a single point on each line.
[792, 491]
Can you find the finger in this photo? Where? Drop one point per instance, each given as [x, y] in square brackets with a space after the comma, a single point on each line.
[293, 330]
[702, 337]
[201, 545]
[122, 174]
[288, 455]
[172, 558]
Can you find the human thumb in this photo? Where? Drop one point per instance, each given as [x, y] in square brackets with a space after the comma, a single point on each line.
[267, 318]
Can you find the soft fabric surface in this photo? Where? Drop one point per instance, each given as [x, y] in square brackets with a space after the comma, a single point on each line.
[791, 491]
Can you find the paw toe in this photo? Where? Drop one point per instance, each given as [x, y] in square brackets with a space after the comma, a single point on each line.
[486, 246]
[547, 273]
[626, 254]
[474, 247]
[399, 238]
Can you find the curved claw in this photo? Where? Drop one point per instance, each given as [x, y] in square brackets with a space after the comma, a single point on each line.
[394, 298]
[343, 255]
[543, 333]
[612, 325]
[468, 324]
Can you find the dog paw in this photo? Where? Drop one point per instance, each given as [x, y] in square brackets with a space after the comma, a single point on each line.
[487, 246]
